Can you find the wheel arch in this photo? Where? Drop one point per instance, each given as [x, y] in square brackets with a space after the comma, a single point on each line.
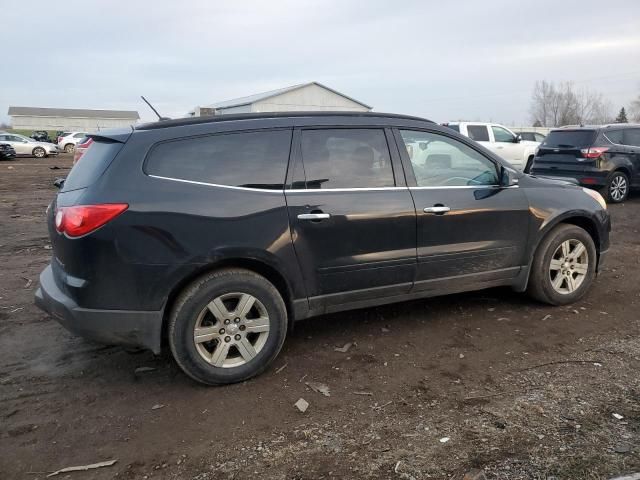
[259, 266]
[579, 220]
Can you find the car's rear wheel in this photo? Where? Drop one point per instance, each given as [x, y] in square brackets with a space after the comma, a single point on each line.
[227, 326]
[69, 148]
[39, 152]
[564, 266]
[618, 187]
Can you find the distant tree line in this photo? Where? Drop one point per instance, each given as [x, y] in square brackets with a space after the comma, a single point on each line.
[555, 105]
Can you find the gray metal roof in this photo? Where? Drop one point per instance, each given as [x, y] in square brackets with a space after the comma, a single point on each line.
[237, 102]
[72, 113]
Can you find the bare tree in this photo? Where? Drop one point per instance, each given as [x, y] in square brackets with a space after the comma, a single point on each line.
[556, 105]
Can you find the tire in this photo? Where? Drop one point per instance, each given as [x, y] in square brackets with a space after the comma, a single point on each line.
[39, 152]
[544, 283]
[617, 189]
[206, 304]
[69, 148]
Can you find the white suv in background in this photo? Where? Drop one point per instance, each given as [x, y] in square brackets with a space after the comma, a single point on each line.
[69, 140]
[499, 139]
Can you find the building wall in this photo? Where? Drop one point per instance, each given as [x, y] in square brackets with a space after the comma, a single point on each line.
[311, 97]
[238, 109]
[90, 125]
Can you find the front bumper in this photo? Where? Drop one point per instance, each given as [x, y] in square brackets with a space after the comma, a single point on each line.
[112, 327]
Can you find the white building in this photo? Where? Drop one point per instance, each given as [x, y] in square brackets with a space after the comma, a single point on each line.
[70, 119]
[311, 96]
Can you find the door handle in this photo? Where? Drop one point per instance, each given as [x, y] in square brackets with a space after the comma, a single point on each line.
[499, 148]
[437, 209]
[314, 216]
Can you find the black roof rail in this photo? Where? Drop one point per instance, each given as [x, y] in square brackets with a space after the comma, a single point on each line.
[253, 116]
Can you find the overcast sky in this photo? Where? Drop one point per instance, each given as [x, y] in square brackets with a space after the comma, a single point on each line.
[443, 60]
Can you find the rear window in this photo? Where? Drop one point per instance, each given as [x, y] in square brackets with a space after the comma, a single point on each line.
[92, 164]
[569, 139]
[246, 159]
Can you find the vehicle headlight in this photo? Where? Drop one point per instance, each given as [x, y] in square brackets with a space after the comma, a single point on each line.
[596, 196]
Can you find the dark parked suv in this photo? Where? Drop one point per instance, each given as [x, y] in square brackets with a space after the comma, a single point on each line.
[213, 235]
[606, 158]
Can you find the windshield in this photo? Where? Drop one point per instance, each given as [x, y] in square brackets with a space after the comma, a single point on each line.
[569, 139]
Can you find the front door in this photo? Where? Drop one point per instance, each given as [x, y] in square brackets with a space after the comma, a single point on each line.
[507, 146]
[470, 229]
[351, 215]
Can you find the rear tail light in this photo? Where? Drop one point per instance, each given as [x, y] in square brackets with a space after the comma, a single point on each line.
[82, 219]
[80, 149]
[593, 152]
[59, 138]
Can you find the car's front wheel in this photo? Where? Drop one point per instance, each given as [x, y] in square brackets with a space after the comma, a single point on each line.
[39, 152]
[564, 266]
[227, 326]
[618, 187]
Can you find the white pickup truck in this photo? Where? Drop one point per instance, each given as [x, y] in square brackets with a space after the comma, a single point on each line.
[498, 139]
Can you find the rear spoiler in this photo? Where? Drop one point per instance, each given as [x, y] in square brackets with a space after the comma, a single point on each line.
[120, 135]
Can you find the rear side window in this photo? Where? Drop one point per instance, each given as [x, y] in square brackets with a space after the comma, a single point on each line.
[615, 136]
[569, 139]
[453, 127]
[479, 133]
[346, 158]
[245, 159]
[92, 164]
[632, 137]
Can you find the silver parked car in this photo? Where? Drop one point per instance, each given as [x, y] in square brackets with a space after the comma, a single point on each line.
[25, 146]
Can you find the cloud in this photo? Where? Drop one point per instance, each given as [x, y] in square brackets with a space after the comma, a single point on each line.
[464, 59]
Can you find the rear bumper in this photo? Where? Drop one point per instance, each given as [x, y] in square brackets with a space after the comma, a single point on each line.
[112, 327]
[589, 178]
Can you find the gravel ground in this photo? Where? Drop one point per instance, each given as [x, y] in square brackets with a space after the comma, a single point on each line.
[429, 389]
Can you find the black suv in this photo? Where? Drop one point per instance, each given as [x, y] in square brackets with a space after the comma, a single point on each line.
[213, 235]
[606, 158]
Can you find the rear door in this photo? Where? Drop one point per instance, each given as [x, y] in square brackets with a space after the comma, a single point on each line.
[470, 229]
[352, 217]
[507, 147]
[560, 153]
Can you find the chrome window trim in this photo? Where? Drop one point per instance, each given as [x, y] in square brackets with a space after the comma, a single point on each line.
[355, 189]
[327, 190]
[181, 180]
[614, 143]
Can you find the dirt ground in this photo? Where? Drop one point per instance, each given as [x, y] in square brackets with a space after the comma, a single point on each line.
[519, 389]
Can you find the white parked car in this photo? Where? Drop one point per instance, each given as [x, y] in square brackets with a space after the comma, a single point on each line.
[68, 140]
[25, 146]
[499, 139]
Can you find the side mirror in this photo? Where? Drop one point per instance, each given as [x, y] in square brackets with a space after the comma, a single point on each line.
[518, 138]
[508, 177]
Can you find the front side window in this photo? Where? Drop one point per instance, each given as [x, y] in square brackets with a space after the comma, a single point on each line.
[479, 133]
[346, 158]
[539, 137]
[245, 159]
[440, 161]
[502, 134]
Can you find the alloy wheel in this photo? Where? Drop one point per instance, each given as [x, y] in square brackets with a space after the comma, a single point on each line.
[231, 330]
[618, 188]
[569, 266]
